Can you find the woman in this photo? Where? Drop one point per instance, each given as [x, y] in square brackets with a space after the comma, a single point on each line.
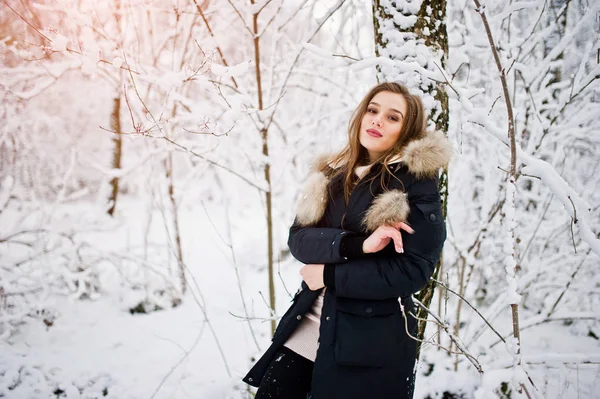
[346, 334]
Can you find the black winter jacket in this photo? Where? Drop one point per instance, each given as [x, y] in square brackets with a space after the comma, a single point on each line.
[365, 346]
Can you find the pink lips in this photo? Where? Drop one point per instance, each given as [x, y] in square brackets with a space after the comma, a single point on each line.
[374, 133]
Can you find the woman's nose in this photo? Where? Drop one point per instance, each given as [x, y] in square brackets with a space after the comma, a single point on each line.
[377, 120]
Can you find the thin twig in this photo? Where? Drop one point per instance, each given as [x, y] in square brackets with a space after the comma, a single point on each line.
[241, 18]
[297, 58]
[213, 163]
[235, 265]
[454, 339]
[472, 307]
[185, 355]
[567, 286]
[573, 221]
[27, 22]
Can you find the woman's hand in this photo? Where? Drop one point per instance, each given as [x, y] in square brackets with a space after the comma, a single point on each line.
[312, 274]
[382, 236]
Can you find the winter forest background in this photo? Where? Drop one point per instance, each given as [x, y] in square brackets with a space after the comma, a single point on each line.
[152, 153]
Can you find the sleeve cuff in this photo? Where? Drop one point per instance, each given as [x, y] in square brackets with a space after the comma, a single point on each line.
[351, 246]
[329, 275]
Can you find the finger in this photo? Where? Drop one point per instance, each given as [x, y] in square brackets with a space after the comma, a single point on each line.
[390, 231]
[394, 234]
[403, 226]
[398, 242]
[406, 227]
[397, 225]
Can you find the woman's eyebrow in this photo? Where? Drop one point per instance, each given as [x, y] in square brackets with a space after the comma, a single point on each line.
[391, 109]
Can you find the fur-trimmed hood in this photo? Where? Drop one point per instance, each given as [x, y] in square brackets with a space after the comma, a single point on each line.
[423, 158]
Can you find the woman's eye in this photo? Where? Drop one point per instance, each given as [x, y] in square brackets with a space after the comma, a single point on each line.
[395, 119]
[371, 110]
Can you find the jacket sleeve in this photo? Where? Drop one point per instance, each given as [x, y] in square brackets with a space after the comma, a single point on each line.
[323, 244]
[388, 274]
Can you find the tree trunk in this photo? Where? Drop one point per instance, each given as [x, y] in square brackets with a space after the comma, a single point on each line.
[427, 33]
[115, 126]
[264, 134]
[174, 212]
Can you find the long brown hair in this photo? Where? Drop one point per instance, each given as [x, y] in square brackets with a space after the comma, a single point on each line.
[354, 154]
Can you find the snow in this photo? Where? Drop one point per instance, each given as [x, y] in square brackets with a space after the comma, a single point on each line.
[117, 62]
[131, 354]
[5, 189]
[371, 62]
[88, 67]
[510, 263]
[59, 42]
[231, 71]
[316, 50]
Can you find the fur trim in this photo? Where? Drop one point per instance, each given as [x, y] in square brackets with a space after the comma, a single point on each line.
[387, 208]
[425, 157]
[313, 203]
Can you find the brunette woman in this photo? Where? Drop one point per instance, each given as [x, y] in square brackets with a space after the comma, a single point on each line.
[369, 229]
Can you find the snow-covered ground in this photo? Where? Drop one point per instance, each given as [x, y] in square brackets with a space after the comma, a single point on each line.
[96, 348]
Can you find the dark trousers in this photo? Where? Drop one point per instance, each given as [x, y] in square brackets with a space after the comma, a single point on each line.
[289, 376]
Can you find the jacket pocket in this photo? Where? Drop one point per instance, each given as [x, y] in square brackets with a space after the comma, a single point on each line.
[430, 231]
[432, 212]
[366, 332]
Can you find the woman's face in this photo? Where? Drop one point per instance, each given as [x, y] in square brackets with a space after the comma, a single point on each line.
[381, 124]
